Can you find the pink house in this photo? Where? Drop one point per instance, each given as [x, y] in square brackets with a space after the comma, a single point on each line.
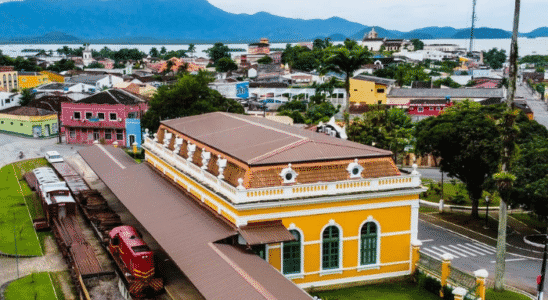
[423, 108]
[102, 117]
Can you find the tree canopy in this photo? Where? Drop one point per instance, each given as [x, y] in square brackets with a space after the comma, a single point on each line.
[226, 64]
[62, 65]
[404, 74]
[190, 95]
[218, 51]
[389, 129]
[265, 60]
[26, 97]
[495, 58]
[417, 44]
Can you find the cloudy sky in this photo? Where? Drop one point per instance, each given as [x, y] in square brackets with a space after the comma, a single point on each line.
[402, 15]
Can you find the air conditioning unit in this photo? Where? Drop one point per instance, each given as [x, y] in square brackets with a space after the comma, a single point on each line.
[119, 119]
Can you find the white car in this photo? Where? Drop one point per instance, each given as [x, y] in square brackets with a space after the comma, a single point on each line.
[53, 157]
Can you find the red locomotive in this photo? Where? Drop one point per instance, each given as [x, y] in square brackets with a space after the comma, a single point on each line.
[135, 259]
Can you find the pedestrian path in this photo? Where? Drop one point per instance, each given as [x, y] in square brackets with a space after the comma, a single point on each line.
[462, 250]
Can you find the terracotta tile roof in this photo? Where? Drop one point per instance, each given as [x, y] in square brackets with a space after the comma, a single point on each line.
[188, 233]
[373, 168]
[258, 141]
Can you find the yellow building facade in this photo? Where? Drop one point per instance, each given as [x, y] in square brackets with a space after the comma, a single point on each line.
[28, 80]
[352, 219]
[53, 77]
[369, 90]
[8, 79]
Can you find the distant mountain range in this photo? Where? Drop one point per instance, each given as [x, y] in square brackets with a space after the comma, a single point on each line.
[175, 21]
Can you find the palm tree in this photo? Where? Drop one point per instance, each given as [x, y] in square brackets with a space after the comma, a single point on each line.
[509, 145]
[343, 60]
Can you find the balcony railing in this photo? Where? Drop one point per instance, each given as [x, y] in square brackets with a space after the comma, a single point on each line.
[242, 195]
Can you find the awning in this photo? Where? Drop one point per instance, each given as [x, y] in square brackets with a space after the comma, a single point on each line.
[268, 232]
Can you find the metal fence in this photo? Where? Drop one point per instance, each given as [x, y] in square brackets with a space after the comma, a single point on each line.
[461, 278]
[430, 264]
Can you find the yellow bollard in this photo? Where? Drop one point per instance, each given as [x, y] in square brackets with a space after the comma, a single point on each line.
[445, 270]
[416, 255]
[459, 293]
[134, 148]
[481, 276]
[115, 144]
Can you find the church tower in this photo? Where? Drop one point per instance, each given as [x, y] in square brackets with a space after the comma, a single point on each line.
[86, 56]
[371, 35]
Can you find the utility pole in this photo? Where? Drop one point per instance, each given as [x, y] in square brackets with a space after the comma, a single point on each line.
[473, 26]
[503, 213]
[540, 278]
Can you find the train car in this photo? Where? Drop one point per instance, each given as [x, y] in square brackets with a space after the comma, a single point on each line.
[135, 260]
[55, 196]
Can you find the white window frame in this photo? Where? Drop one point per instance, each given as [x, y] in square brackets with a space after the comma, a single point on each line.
[72, 133]
[86, 115]
[99, 117]
[420, 109]
[339, 270]
[110, 115]
[301, 273]
[377, 264]
[74, 117]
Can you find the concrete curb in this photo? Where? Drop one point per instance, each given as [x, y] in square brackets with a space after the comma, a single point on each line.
[3, 288]
[532, 243]
[2, 254]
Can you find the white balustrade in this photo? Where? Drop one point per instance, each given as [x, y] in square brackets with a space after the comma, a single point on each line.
[242, 195]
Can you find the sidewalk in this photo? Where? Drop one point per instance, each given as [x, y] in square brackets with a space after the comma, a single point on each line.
[514, 238]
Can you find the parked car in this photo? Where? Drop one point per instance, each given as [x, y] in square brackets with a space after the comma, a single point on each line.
[53, 157]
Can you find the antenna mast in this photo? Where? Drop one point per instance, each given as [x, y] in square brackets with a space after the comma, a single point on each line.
[473, 26]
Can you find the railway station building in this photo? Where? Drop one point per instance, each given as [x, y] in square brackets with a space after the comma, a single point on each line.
[271, 208]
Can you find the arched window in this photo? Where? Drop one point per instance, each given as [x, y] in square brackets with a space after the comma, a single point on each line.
[330, 248]
[368, 244]
[292, 254]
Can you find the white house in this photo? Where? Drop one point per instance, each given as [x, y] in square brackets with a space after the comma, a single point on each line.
[65, 88]
[98, 81]
[8, 100]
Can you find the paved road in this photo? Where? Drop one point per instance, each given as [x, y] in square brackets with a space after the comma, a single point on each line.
[10, 146]
[471, 255]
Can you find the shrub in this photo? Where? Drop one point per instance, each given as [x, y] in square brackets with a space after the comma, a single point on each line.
[448, 293]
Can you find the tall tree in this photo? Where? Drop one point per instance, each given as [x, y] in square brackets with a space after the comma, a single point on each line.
[346, 61]
[417, 44]
[467, 140]
[494, 58]
[507, 153]
[154, 52]
[218, 51]
[189, 96]
[163, 50]
[191, 49]
[226, 64]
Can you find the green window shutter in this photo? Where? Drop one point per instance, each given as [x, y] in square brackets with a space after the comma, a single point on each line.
[292, 255]
[368, 244]
[330, 252]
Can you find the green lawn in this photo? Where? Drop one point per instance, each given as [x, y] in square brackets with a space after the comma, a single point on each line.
[15, 216]
[506, 295]
[34, 286]
[530, 221]
[63, 278]
[389, 291]
[454, 192]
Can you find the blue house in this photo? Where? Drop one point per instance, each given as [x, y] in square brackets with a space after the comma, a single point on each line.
[242, 90]
[133, 131]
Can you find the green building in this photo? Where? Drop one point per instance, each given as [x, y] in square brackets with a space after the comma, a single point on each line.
[29, 122]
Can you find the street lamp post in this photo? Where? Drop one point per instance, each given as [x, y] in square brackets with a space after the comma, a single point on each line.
[486, 213]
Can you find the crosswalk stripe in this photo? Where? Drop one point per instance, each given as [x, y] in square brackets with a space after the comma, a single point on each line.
[470, 249]
[454, 252]
[486, 247]
[461, 250]
[432, 251]
[482, 249]
[442, 251]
